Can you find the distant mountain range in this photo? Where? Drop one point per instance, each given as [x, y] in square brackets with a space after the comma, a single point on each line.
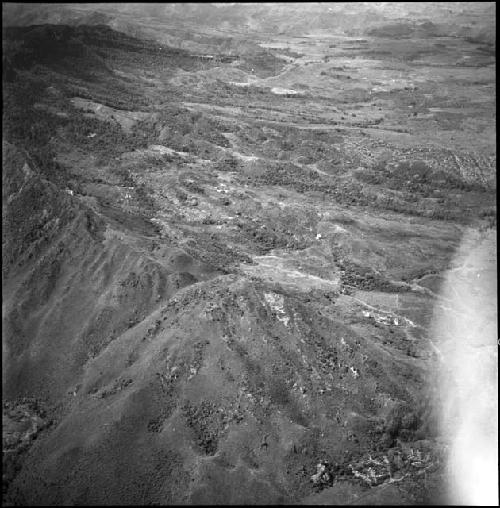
[170, 23]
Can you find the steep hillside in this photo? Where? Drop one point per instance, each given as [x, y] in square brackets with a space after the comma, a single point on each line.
[227, 375]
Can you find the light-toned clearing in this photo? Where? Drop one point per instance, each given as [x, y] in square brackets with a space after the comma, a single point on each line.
[280, 270]
[276, 302]
[283, 91]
